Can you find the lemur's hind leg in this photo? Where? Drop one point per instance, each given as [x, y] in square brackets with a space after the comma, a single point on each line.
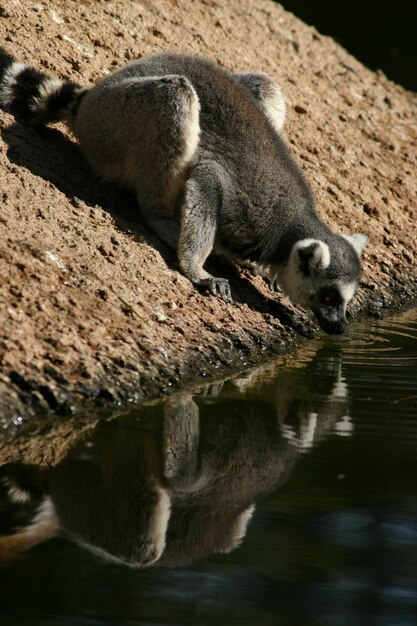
[143, 132]
[198, 230]
[179, 143]
[268, 94]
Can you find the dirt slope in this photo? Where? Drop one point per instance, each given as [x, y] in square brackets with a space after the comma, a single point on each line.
[91, 303]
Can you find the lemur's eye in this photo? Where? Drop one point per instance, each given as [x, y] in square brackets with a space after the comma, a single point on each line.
[329, 299]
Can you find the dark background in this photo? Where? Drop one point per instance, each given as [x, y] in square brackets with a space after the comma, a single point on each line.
[381, 34]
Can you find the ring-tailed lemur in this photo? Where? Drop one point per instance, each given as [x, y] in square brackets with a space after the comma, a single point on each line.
[201, 147]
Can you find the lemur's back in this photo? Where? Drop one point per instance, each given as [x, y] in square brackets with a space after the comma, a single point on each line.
[226, 108]
[230, 122]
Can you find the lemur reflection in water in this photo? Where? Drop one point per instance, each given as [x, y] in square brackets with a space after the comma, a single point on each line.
[177, 481]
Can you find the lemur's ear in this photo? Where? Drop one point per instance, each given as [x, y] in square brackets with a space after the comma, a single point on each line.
[313, 254]
[358, 241]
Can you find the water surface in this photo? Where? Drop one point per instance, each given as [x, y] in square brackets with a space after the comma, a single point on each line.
[285, 496]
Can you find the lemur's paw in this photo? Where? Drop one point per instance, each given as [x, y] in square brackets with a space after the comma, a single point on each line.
[274, 286]
[221, 287]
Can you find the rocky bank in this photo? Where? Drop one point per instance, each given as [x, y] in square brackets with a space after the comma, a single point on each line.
[92, 307]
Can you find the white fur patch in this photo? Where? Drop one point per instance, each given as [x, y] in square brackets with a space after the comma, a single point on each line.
[340, 389]
[304, 438]
[267, 94]
[344, 427]
[275, 107]
[9, 81]
[191, 130]
[347, 291]
[358, 241]
[15, 493]
[321, 256]
[190, 123]
[292, 282]
[266, 270]
[290, 277]
[307, 431]
[45, 524]
[158, 525]
[239, 529]
[48, 87]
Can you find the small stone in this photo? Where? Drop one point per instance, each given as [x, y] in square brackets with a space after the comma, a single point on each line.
[102, 293]
[299, 109]
[370, 210]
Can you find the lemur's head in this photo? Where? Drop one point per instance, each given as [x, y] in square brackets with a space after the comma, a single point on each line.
[324, 276]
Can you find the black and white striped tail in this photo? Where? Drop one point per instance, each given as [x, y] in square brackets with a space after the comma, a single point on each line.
[34, 98]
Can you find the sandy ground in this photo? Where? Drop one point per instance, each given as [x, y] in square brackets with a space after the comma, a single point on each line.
[91, 303]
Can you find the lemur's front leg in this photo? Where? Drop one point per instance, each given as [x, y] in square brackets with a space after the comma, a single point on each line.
[198, 230]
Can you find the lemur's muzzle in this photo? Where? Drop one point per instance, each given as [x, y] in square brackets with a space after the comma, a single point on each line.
[331, 321]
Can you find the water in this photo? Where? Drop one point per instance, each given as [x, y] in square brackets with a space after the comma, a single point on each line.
[286, 496]
[380, 34]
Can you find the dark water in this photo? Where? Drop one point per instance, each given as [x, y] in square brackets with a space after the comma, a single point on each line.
[380, 34]
[287, 496]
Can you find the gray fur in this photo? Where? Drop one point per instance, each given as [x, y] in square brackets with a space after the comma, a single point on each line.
[201, 148]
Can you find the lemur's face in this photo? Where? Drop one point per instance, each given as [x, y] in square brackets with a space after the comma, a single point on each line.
[324, 282]
[329, 305]
[327, 300]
